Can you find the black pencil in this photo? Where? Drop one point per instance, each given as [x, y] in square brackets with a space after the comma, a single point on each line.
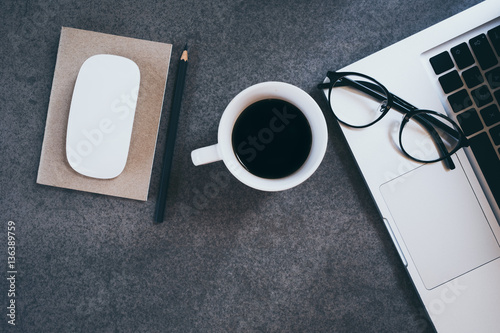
[171, 134]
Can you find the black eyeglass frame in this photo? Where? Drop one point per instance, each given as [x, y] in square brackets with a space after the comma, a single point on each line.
[426, 118]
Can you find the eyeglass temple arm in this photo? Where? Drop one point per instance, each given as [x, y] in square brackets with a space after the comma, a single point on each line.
[407, 107]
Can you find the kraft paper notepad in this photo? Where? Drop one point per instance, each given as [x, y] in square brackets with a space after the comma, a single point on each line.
[153, 59]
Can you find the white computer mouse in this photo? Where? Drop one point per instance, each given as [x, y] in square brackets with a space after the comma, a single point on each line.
[101, 116]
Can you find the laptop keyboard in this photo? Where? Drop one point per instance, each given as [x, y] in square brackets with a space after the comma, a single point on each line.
[469, 74]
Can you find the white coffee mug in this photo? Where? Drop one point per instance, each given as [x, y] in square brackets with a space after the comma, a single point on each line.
[223, 150]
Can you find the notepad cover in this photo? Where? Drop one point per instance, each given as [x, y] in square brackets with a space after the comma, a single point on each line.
[153, 59]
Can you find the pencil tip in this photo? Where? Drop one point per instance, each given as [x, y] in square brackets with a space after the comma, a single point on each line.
[184, 55]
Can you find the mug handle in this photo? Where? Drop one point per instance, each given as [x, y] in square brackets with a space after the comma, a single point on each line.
[206, 155]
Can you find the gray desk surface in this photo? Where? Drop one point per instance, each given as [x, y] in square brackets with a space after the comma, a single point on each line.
[312, 259]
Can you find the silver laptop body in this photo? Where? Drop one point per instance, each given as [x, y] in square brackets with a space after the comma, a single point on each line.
[444, 223]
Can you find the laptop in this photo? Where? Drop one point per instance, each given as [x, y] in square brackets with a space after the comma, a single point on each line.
[444, 223]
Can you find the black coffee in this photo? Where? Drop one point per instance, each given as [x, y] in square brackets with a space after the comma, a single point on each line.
[272, 138]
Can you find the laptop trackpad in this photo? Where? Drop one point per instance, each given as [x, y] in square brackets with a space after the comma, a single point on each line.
[441, 222]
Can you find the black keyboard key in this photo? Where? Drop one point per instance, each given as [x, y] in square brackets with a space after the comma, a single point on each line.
[483, 51]
[472, 77]
[493, 78]
[482, 96]
[488, 161]
[497, 96]
[494, 35]
[469, 122]
[460, 100]
[461, 54]
[490, 115]
[450, 82]
[495, 134]
[441, 62]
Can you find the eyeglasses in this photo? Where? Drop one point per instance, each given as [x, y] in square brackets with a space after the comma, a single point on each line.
[357, 100]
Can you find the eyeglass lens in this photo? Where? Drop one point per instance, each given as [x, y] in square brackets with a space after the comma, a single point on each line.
[353, 105]
[424, 141]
